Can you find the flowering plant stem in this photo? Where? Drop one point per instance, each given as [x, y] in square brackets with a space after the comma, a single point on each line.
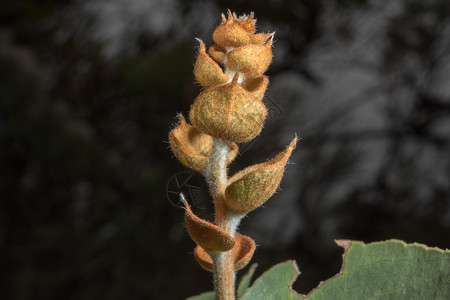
[227, 112]
[216, 176]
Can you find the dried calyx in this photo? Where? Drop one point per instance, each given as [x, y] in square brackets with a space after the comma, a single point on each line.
[193, 147]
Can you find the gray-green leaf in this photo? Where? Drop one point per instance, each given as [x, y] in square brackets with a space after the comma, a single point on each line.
[246, 280]
[204, 296]
[275, 284]
[388, 270]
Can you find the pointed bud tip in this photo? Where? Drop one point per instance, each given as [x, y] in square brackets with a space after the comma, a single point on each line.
[230, 17]
[293, 143]
[287, 152]
[182, 121]
[185, 203]
[202, 45]
[270, 42]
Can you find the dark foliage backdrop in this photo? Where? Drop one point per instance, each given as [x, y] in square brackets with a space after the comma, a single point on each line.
[90, 89]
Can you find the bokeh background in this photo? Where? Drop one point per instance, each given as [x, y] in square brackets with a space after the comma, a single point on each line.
[90, 89]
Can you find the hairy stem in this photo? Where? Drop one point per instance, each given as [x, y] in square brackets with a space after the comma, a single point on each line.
[216, 170]
[224, 276]
[216, 175]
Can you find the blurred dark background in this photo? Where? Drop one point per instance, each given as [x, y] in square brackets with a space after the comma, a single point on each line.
[90, 89]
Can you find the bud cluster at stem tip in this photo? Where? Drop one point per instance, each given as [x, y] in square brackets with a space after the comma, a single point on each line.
[228, 111]
[230, 107]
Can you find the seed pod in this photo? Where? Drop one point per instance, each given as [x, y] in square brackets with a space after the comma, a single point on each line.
[251, 187]
[192, 147]
[207, 72]
[242, 253]
[228, 112]
[205, 234]
[250, 60]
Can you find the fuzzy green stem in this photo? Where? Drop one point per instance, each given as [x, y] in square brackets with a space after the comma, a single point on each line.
[216, 175]
[216, 170]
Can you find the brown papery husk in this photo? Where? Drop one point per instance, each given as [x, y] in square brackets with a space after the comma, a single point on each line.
[207, 72]
[256, 86]
[217, 53]
[242, 253]
[192, 147]
[205, 234]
